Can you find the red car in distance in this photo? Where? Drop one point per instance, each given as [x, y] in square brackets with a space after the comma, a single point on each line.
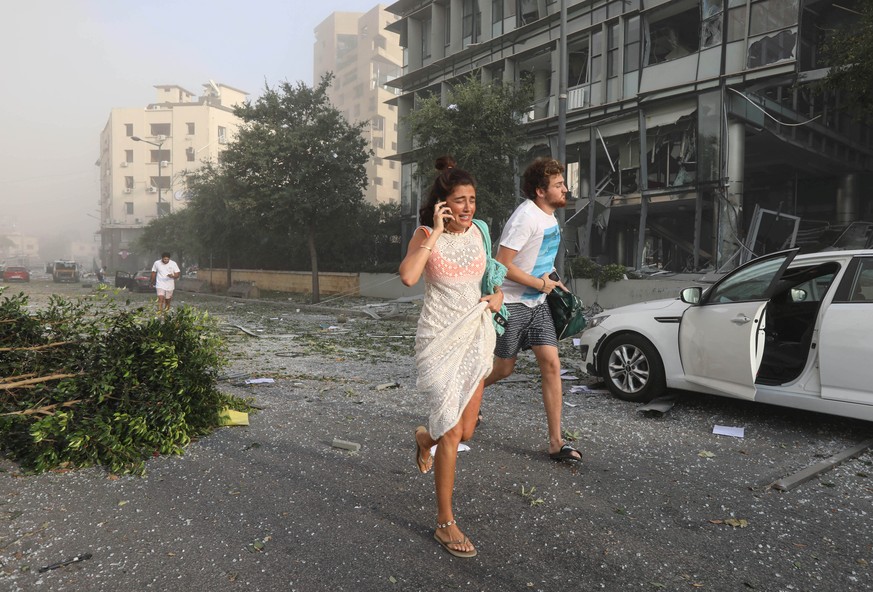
[16, 274]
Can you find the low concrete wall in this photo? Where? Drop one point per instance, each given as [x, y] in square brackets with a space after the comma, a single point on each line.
[295, 282]
[389, 286]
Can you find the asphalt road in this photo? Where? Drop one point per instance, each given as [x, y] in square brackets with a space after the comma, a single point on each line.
[659, 504]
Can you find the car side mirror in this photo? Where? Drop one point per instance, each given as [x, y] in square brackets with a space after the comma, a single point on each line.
[691, 295]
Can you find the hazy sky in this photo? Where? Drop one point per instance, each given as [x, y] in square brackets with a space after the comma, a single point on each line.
[67, 63]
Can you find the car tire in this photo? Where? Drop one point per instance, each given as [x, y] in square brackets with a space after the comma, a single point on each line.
[632, 369]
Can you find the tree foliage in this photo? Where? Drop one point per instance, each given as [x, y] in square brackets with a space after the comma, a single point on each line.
[481, 128]
[849, 50]
[300, 164]
[88, 382]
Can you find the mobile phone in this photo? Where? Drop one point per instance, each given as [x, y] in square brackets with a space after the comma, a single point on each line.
[500, 319]
[554, 276]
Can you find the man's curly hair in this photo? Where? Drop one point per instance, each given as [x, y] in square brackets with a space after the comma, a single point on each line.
[537, 175]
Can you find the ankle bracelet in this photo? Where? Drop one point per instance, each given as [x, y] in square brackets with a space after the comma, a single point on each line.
[447, 524]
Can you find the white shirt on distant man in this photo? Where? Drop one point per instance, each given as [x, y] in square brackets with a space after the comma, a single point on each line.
[164, 273]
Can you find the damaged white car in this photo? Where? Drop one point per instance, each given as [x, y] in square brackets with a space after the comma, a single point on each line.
[786, 329]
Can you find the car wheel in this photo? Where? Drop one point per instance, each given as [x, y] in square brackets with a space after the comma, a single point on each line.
[632, 368]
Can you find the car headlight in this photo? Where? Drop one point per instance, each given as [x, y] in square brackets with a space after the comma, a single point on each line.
[596, 321]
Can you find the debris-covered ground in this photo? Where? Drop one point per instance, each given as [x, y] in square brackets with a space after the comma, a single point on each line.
[661, 503]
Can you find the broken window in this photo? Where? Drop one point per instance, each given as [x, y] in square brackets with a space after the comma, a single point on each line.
[673, 155]
[528, 11]
[772, 48]
[672, 32]
[772, 15]
[577, 64]
[710, 31]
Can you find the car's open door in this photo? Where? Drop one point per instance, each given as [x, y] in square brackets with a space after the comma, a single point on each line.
[721, 339]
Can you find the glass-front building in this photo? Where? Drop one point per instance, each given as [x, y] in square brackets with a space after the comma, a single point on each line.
[694, 135]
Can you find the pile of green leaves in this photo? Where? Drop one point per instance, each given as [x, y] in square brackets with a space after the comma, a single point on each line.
[91, 382]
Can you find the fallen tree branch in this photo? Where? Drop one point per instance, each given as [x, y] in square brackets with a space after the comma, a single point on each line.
[29, 381]
[35, 347]
[45, 410]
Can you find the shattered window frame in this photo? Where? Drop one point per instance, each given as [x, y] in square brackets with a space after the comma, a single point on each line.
[671, 32]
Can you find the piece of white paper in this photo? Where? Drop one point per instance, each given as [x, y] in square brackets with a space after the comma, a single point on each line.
[729, 431]
[461, 448]
[259, 380]
[577, 342]
[580, 388]
[569, 404]
[569, 377]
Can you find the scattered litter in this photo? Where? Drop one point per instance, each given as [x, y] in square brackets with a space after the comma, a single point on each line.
[259, 381]
[568, 404]
[346, 445]
[566, 376]
[461, 448]
[705, 454]
[729, 431]
[258, 545]
[75, 559]
[387, 385]
[581, 388]
[230, 417]
[577, 342]
[659, 405]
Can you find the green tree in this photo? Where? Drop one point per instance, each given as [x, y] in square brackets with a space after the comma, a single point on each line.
[300, 163]
[169, 233]
[849, 50]
[217, 221]
[481, 128]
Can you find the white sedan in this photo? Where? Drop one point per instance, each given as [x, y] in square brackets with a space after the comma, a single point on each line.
[786, 329]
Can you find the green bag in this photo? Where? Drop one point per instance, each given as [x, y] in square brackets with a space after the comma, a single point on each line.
[567, 312]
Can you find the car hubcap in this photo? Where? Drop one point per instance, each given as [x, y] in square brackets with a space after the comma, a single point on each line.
[629, 368]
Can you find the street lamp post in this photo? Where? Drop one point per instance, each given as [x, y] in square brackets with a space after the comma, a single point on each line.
[158, 144]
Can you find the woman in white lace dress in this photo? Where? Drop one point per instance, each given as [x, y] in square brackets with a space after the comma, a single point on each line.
[454, 343]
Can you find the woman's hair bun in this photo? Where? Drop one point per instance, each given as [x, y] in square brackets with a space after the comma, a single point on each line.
[444, 163]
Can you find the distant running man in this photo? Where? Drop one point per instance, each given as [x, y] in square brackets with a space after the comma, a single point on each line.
[165, 272]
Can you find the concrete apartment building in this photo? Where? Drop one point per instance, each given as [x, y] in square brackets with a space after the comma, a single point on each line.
[19, 249]
[690, 125]
[364, 57]
[143, 179]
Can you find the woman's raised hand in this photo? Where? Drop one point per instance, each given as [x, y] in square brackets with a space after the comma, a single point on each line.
[442, 215]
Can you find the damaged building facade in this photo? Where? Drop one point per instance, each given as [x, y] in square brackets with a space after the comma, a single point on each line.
[693, 135]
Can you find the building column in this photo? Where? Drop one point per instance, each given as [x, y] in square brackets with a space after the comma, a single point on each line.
[730, 209]
[848, 198]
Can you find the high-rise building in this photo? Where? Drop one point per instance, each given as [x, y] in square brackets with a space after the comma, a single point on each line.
[145, 154]
[364, 57]
[691, 127]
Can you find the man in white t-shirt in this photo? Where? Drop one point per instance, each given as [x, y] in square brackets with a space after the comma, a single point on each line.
[164, 275]
[528, 247]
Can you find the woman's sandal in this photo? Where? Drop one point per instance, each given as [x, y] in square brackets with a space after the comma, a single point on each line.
[424, 465]
[445, 544]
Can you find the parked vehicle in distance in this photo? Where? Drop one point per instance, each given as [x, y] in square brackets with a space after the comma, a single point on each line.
[135, 282]
[65, 271]
[785, 329]
[16, 274]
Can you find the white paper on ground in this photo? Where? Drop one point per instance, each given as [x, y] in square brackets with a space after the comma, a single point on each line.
[568, 377]
[259, 380]
[577, 342]
[729, 431]
[461, 448]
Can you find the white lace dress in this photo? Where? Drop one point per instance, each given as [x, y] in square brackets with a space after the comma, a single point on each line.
[454, 342]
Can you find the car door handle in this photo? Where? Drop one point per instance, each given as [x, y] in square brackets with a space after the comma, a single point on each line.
[740, 319]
